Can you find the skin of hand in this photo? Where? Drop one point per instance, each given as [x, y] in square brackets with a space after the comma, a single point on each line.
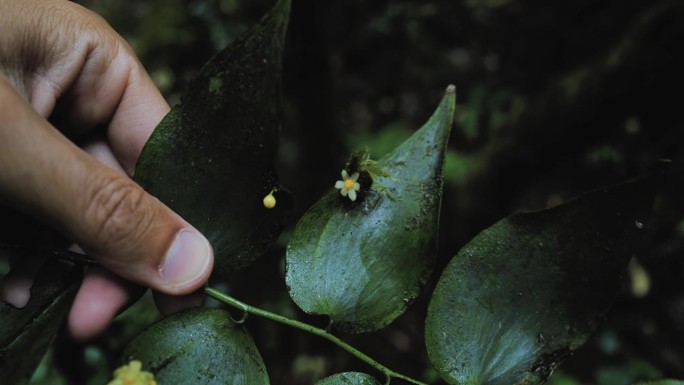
[65, 73]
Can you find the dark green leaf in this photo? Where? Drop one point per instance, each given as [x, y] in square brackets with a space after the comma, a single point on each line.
[525, 293]
[211, 159]
[26, 333]
[363, 262]
[349, 378]
[201, 346]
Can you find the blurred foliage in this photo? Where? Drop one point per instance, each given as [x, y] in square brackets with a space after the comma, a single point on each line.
[93, 362]
[554, 98]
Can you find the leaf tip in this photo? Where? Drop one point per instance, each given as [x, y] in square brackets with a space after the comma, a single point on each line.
[451, 89]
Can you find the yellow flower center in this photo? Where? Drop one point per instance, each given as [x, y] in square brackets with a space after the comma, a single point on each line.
[349, 184]
[132, 375]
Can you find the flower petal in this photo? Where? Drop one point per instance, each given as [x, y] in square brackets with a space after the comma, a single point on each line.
[352, 195]
[344, 174]
[355, 176]
[356, 187]
[344, 192]
[339, 184]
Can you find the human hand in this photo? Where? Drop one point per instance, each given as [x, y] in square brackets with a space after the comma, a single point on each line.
[63, 62]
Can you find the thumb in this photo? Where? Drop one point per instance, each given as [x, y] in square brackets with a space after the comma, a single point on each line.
[131, 233]
[124, 228]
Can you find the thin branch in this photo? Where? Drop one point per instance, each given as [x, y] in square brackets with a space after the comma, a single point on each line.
[228, 300]
[63, 254]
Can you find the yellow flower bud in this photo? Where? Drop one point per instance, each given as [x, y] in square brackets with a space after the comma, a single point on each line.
[269, 201]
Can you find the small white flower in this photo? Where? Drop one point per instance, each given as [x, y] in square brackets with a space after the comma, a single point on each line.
[348, 185]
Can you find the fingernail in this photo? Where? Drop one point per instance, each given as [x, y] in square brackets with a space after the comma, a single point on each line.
[187, 260]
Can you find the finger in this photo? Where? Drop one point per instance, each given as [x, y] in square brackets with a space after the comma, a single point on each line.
[15, 287]
[101, 296]
[113, 89]
[81, 73]
[113, 219]
[140, 110]
[99, 149]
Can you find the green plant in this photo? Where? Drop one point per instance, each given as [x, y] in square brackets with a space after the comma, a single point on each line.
[509, 308]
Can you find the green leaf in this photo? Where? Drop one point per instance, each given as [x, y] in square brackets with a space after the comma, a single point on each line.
[349, 378]
[361, 263]
[661, 382]
[26, 333]
[211, 159]
[200, 346]
[529, 290]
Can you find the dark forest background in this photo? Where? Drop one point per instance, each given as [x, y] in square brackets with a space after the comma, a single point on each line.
[554, 98]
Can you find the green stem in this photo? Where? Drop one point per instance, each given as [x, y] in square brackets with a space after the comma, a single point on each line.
[228, 300]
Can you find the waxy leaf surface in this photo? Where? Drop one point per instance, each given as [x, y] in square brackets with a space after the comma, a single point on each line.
[361, 263]
[349, 378]
[211, 159]
[26, 333]
[529, 290]
[200, 346]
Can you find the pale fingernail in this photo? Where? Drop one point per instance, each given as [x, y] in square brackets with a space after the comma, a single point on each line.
[187, 260]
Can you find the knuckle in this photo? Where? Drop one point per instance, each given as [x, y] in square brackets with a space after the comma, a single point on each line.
[120, 213]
